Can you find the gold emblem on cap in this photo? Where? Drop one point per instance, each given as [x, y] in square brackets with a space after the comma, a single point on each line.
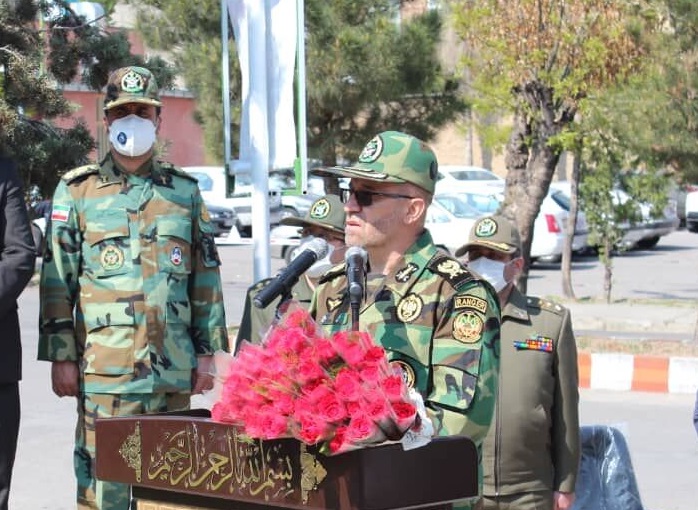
[409, 308]
[132, 82]
[111, 258]
[486, 228]
[467, 327]
[320, 209]
[407, 371]
[450, 268]
[372, 150]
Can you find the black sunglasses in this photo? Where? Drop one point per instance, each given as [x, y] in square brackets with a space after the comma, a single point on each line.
[364, 197]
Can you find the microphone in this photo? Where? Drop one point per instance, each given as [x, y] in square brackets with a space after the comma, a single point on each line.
[356, 259]
[283, 283]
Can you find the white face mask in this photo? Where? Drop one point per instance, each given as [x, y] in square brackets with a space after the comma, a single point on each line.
[132, 135]
[321, 266]
[490, 270]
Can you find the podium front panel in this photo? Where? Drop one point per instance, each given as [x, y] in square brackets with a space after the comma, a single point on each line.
[193, 458]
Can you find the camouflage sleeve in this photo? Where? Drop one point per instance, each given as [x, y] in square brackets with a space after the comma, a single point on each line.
[209, 331]
[58, 288]
[565, 424]
[465, 364]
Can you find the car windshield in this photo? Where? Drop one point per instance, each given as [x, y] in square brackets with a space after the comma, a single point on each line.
[205, 182]
[561, 199]
[457, 206]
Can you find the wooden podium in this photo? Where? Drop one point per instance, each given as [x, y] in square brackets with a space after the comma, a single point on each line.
[182, 461]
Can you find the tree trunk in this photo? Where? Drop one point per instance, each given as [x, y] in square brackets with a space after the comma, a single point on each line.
[566, 268]
[607, 270]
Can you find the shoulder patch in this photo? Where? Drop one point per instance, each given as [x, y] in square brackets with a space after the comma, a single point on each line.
[545, 304]
[169, 167]
[81, 171]
[450, 269]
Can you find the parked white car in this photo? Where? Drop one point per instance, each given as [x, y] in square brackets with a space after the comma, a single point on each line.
[458, 174]
[212, 183]
[449, 220]
[549, 226]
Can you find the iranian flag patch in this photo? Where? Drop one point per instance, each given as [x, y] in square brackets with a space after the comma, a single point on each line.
[60, 213]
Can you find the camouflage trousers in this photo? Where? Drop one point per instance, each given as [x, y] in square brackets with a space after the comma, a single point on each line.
[95, 494]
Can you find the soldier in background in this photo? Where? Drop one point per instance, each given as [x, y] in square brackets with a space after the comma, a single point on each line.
[131, 301]
[438, 322]
[325, 220]
[531, 453]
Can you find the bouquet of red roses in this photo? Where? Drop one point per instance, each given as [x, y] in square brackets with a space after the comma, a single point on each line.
[339, 391]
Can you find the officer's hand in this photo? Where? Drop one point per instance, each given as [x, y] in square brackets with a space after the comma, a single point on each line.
[563, 500]
[64, 378]
[202, 376]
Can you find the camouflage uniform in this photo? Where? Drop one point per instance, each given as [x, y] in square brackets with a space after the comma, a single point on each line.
[437, 321]
[327, 213]
[130, 291]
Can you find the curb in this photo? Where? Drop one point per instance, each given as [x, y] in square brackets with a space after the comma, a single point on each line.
[628, 372]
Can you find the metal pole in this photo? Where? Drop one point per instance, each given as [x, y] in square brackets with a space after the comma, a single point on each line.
[301, 94]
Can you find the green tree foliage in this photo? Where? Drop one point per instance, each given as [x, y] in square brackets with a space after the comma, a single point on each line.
[365, 72]
[536, 60]
[43, 46]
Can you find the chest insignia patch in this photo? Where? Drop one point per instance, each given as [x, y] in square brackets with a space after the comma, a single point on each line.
[467, 327]
[409, 308]
[333, 303]
[111, 258]
[406, 370]
[176, 255]
[451, 268]
[471, 302]
[535, 343]
[406, 272]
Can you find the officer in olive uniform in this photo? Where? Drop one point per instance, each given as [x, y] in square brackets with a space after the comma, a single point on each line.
[131, 302]
[438, 322]
[531, 453]
[324, 219]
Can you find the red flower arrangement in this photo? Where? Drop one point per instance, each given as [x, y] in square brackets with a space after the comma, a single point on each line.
[339, 391]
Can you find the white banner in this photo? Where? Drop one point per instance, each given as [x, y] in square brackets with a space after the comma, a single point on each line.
[277, 27]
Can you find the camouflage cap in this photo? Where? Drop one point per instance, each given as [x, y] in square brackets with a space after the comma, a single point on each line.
[494, 232]
[392, 156]
[326, 212]
[131, 84]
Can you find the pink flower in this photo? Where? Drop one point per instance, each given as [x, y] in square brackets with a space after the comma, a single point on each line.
[394, 387]
[331, 409]
[349, 346]
[347, 383]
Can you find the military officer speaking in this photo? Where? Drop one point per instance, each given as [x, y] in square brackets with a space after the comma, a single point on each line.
[131, 301]
[531, 453]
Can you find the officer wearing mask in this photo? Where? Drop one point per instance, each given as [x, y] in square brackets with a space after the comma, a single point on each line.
[324, 220]
[531, 452]
[131, 299]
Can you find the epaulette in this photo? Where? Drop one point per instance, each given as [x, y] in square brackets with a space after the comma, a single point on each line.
[544, 304]
[169, 167]
[450, 269]
[333, 273]
[81, 171]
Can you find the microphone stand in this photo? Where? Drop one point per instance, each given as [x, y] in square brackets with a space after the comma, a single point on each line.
[356, 294]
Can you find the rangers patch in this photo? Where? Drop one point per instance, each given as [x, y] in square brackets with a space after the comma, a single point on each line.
[111, 258]
[467, 327]
[471, 302]
[409, 308]
[404, 274]
[176, 255]
[406, 370]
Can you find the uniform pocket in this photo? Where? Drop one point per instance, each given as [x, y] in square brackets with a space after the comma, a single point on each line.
[109, 344]
[456, 370]
[174, 244]
[108, 244]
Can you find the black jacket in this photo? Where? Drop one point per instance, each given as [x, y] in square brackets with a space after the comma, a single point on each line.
[17, 259]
